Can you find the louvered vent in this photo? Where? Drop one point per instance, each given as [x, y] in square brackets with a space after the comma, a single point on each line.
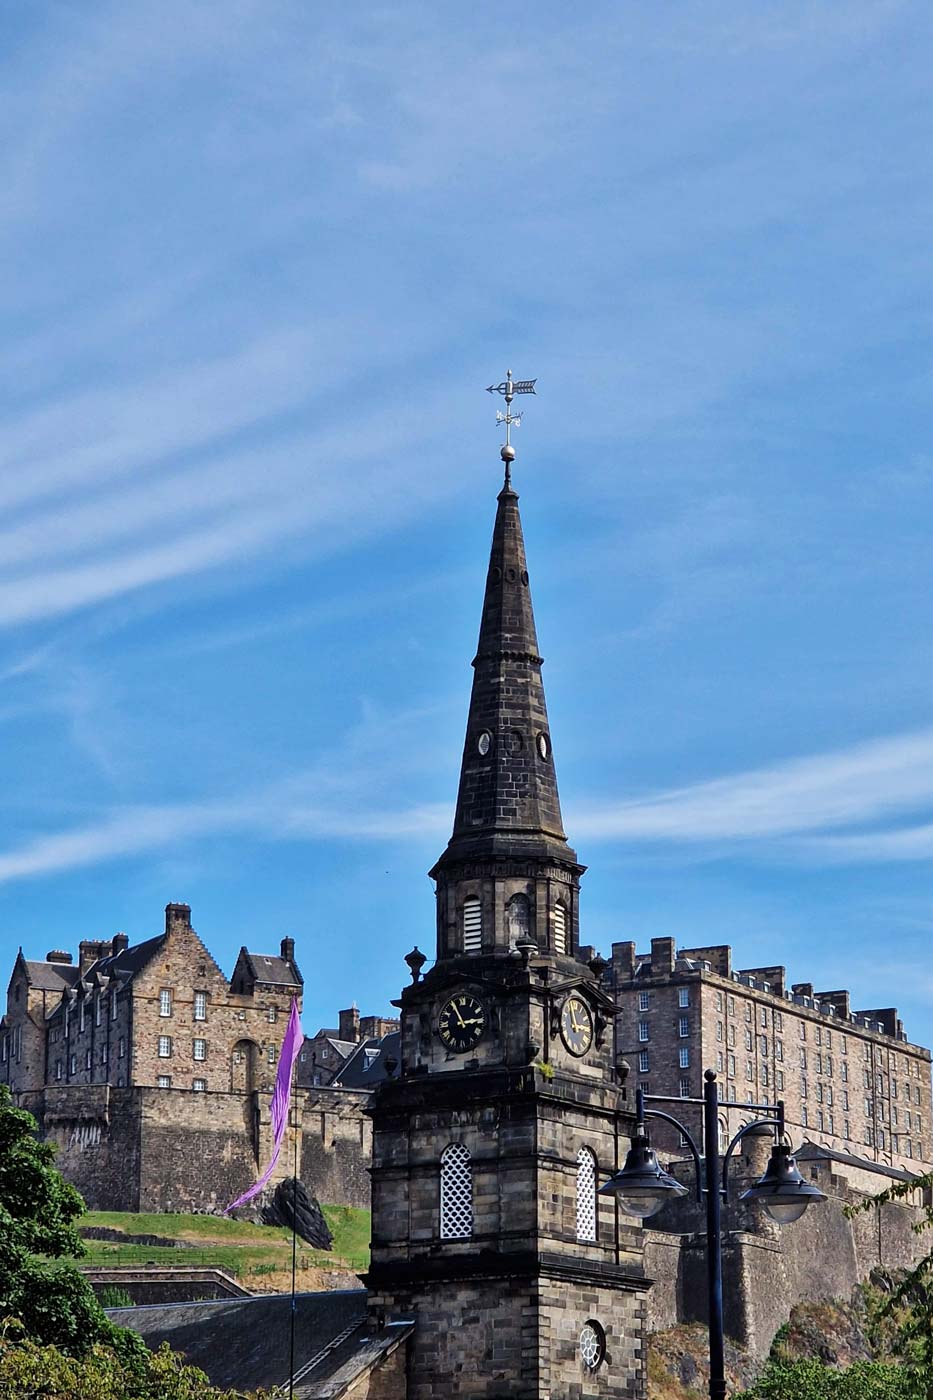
[456, 1193]
[472, 926]
[560, 929]
[586, 1195]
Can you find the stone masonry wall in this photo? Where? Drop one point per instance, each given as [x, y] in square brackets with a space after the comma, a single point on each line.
[336, 1146]
[386, 1381]
[171, 1150]
[96, 1131]
[767, 1268]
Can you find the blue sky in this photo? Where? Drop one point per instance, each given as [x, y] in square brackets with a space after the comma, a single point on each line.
[260, 260]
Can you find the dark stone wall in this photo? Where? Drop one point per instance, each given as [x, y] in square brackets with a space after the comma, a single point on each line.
[145, 1149]
[196, 1150]
[336, 1146]
[768, 1268]
[96, 1131]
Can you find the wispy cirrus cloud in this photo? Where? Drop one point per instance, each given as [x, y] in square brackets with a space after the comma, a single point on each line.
[794, 810]
[866, 782]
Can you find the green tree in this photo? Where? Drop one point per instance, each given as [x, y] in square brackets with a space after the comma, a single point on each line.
[813, 1380]
[29, 1369]
[38, 1211]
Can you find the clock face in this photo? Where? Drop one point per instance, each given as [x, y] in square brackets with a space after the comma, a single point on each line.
[461, 1022]
[576, 1025]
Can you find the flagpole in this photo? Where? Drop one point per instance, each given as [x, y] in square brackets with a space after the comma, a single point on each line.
[291, 1352]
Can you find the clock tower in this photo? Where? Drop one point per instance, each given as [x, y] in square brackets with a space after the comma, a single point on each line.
[506, 1110]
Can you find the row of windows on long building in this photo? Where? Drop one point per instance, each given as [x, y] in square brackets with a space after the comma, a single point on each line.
[456, 1194]
[166, 1008]
[166, 1050]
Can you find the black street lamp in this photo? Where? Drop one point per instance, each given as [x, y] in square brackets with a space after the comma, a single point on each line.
[642, 1187]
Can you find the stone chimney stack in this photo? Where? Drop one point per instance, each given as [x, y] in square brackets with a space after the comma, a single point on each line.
[89, 950]
[288, 950]
[57, 956]
[177, 916]
[350, 1024]
[663, 955]
[120, 943]
[623, 960]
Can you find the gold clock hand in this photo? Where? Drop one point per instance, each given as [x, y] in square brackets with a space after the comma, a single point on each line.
[457, 1013]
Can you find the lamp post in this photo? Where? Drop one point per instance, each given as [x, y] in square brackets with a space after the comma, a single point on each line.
[642, 1187]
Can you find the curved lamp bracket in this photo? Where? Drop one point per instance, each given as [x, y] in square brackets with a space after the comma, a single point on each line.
[743, 1132]
[675, 1122]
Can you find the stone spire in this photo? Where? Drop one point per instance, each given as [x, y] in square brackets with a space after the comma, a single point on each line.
[507, 803]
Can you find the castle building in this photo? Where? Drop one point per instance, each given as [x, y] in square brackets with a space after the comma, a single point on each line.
[159, 1013]
[851, 1081]
[506, 1110]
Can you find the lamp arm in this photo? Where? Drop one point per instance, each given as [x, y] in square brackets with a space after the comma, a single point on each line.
[743, 1132]
[675, 1122]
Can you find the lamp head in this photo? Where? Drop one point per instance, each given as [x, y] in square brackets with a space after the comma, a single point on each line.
[782, 1190]
[642, 1187]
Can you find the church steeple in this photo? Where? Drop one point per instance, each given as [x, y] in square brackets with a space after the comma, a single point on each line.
[508, 874]
[508, 801]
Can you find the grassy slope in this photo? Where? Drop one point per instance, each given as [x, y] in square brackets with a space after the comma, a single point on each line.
[249, 1251]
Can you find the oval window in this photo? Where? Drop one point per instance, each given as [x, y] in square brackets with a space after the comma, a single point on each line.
[484, 742]
[544, 747]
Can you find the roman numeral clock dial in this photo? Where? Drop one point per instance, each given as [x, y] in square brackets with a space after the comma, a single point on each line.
[576, 1025]
[461, 1022]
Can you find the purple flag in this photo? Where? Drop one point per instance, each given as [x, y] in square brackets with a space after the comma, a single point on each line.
[280, 1097]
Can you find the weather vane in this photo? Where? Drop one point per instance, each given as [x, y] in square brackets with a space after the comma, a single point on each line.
[508, 389]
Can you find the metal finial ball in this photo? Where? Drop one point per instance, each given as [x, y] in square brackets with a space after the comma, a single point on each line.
[507, 453]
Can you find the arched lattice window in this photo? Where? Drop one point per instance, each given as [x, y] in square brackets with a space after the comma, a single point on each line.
[518, 919]
[456, 1193]
[560, 929]
[472, 926]
[586, 1194]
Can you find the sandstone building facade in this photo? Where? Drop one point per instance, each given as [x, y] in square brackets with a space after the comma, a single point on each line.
[152, 1072]
[159, 1014]
[850, 1079]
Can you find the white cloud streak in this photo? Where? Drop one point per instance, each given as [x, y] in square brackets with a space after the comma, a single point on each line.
[866, 782]
[794, 809]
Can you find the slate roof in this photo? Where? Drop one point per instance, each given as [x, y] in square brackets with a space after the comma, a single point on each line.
[366, 1067]
[120, 967]
[812, 1151]
[267, 968]
[50, 977]
[243, 1343]
[130, 961]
